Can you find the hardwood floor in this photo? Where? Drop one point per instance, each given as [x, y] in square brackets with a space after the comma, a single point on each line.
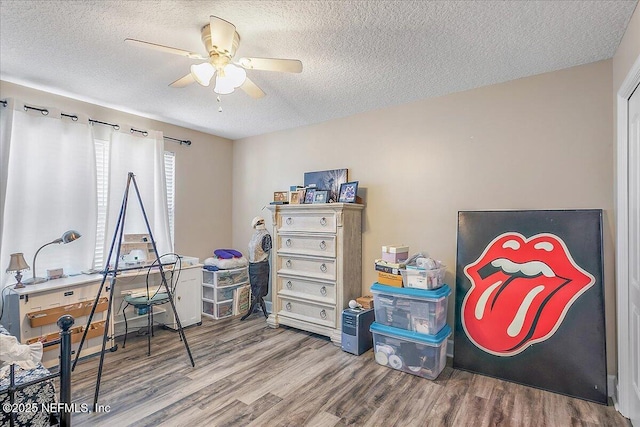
[248, 374]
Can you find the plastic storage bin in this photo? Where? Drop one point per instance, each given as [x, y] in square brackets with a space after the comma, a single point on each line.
[236, 276]
[422, 311]
[208, 292]
[224, 309]
[414, 277]
[224, 294]
[410, 352]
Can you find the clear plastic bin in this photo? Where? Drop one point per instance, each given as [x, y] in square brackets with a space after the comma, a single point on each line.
[420, 278]
[410, 352]
[422, 311]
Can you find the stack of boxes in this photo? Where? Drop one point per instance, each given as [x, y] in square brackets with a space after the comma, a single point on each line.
[389, 266]
[410, 329]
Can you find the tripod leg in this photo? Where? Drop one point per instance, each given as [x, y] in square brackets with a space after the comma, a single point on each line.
[104, 341]
[89, 319]
[162, 274]
[117, 236]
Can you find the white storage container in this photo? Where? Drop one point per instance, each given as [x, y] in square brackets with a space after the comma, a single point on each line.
[413, 277]
[410, 352]
[236, 276]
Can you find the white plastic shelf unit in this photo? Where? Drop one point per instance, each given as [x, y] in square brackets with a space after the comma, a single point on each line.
[220, 292]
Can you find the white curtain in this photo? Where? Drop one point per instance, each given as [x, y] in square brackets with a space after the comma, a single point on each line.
[144, 157]
[48, 187]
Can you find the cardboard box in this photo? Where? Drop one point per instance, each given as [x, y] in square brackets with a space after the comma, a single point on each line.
[395, 253]
[389, 279]
[365, 301]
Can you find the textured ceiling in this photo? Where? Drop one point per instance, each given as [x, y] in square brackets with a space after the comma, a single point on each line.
[357, 55]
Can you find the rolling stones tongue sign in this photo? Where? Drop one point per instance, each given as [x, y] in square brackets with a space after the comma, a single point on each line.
[521, 290]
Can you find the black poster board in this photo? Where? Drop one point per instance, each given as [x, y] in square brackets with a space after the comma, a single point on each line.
[530, 300]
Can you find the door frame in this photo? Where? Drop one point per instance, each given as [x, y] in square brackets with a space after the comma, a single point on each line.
[624, 386]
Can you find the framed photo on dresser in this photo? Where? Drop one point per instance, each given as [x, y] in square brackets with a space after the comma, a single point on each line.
[309, 195]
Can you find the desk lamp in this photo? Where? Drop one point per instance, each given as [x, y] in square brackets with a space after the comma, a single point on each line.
[17, 264]
[68, 236]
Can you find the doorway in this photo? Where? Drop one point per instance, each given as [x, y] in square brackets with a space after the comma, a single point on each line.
[628, 245]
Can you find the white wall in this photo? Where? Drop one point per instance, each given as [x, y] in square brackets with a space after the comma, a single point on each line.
[542, 142]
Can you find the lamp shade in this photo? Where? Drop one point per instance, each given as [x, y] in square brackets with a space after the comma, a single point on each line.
[202, 73]
[230, 79]
[17, 263]
[70, 236]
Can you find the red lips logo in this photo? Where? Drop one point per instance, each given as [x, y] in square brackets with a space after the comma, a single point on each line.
[521, 289]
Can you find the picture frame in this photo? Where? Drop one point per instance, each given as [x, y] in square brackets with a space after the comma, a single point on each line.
[329, 180]
[320, 196]
[348, 192]
[294, 198]
[309, 195]
[301, 193]
[281, 196]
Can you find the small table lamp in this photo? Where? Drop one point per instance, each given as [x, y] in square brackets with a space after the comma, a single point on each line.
[17, 264]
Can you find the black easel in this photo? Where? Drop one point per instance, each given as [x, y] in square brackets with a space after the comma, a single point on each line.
[117, 236]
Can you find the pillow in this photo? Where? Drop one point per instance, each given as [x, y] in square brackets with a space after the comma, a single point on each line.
[23, 355]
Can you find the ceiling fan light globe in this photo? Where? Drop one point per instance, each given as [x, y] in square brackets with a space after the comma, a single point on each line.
[235, 75]
[203, 73]
[223, 86]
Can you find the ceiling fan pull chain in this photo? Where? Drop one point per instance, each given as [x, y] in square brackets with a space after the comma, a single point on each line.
[219, 104]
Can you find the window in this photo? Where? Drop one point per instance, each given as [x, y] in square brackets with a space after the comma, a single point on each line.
[102, 184]
[170, 177]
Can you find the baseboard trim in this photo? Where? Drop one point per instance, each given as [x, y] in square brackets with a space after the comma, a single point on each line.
[612, 389]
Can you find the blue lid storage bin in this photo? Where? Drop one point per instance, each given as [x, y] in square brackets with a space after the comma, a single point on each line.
[418, 310]
[410, 352]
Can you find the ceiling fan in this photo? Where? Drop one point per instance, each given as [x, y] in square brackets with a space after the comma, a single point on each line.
[221, 41]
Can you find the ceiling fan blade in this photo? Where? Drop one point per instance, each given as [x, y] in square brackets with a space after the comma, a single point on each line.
[252, 89]
[183, 81]
[271, 64]
[166, 49]
[222, 33]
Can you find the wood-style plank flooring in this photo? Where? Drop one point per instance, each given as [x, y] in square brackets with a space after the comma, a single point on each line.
[248, 374]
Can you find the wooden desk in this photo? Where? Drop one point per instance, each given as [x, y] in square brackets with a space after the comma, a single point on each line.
[31, 312]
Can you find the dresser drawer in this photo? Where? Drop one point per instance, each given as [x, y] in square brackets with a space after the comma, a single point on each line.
[318, 268]
[324, 292]
[317, 222]
[302, 310]
[307, 245]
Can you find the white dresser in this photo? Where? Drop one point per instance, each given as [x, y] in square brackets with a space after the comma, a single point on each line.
[316, 265]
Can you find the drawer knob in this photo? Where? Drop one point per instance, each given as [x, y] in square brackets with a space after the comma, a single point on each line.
[288, 242]
[289, 221]
[288, 263]
[323, 314]
[323, 268]
[323, 291]
[289, 284]
[288, 306]
[323, 245]
[323, 221]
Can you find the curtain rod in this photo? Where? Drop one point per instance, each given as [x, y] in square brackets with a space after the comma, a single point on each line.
[73, 117]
